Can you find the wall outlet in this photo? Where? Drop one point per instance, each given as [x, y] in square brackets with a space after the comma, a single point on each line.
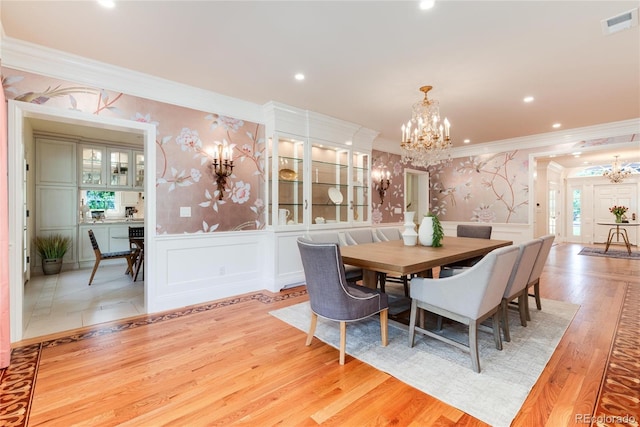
[185, 211]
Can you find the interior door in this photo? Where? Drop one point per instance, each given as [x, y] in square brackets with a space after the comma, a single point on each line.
[554, 209]
[609, 195]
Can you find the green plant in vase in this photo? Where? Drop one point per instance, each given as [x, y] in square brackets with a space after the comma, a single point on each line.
[52, 249]
[438, 232]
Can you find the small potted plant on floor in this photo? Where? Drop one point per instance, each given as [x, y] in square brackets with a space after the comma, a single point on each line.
[51, 249]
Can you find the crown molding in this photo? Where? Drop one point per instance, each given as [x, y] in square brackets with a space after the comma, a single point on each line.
[32, 58]
[545, 141]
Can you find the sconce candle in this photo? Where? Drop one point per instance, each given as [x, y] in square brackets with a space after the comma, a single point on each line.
[222, 166]
[382, 183]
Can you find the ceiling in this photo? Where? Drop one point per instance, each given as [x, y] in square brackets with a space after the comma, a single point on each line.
[364, 61]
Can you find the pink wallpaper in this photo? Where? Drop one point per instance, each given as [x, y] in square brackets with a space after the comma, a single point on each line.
[184, 140]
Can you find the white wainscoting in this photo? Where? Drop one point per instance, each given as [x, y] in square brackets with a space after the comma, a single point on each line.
[197, 268]
[288, 269]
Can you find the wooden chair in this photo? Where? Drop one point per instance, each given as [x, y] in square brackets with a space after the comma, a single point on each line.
[136, 243]
[332, 298]
[128, 255]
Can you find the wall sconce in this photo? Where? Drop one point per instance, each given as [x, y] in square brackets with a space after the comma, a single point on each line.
[222, 166]
[382, 182]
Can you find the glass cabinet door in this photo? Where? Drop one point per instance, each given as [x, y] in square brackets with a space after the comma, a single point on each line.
[92, 166]
[289, 182]
[138, 169]
[360, 186]
[119, 168]
[329, 184]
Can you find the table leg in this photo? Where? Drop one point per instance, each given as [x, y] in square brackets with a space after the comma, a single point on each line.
[609, 239]
[369, 279]
[625, 237]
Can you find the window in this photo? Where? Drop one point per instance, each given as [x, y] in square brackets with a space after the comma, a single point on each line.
[576, 209]
[101, 200]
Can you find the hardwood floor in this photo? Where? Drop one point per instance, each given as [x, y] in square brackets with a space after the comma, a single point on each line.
[230, 362]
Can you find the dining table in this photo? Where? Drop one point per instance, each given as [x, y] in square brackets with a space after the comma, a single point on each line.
[394, 257]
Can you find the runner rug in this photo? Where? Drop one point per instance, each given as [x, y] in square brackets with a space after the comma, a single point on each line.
[611, 253]
[494, 396]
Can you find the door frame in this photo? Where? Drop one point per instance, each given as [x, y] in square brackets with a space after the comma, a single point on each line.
[423, 185]
[18, 115]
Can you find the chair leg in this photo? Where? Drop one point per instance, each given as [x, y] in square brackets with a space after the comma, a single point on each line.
[473, 345]
[412, 321]
[95, 268]
[536, 293]
[505, 319]
[526, 304]
[496, 330]
[405, 282]
[312, 328]
[521, 309]
[343, 341]
[384, 322]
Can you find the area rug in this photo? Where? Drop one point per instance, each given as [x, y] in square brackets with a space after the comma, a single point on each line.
[494, 396]
[611, 253]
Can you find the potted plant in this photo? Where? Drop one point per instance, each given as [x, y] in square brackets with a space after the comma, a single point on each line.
[51, 249]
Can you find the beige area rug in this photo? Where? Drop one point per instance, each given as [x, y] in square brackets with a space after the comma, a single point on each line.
[494, 396]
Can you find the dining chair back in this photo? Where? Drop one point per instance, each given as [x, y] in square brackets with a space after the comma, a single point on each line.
[517, 284]
[331, 297]
[136, 243]
[359, 236]
[388, 233]
[536, 272]
[127, 255]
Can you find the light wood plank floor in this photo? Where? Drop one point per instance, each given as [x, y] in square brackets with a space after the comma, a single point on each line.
[233, 363]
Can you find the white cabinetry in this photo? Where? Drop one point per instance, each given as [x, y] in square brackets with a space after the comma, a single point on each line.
[56, 192]
[318, 178]
[110, 167]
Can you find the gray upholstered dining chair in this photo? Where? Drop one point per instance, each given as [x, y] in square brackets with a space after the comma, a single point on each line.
[384, 235]
[331, 297]
[359, 236]
[469, 298]
[467, 230]
[352, 272]
[517, 284]
[534, 279]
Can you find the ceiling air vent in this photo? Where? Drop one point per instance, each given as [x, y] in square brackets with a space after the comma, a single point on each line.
[620, 22]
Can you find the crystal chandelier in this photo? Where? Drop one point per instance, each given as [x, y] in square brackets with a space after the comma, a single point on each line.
[426, 140]
[616, 174]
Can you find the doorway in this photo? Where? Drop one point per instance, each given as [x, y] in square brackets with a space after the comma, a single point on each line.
[24, 118]
[416, 192]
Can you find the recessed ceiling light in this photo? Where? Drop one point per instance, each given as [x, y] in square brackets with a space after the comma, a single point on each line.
[528, 99]
[466, 141]
[109, 4]
[556, 125]
[576, 153]
[427, 4]
[299, 76]
[349, 143]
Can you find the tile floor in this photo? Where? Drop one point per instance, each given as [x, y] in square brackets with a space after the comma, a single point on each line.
[60, 302]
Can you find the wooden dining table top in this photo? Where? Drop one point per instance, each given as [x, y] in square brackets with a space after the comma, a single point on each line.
[393, 257]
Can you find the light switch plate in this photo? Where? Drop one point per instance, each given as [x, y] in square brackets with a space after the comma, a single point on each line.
[185, 211]
[397, 210]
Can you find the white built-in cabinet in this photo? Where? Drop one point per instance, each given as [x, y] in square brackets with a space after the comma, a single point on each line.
[56, 192]
[318, 171]
[110, 167]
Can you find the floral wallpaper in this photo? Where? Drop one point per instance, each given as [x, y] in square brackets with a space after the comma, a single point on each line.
[487, 188]
[185, 139]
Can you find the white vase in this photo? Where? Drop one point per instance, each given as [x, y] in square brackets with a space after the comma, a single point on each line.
[409, 235]
[425, 234]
